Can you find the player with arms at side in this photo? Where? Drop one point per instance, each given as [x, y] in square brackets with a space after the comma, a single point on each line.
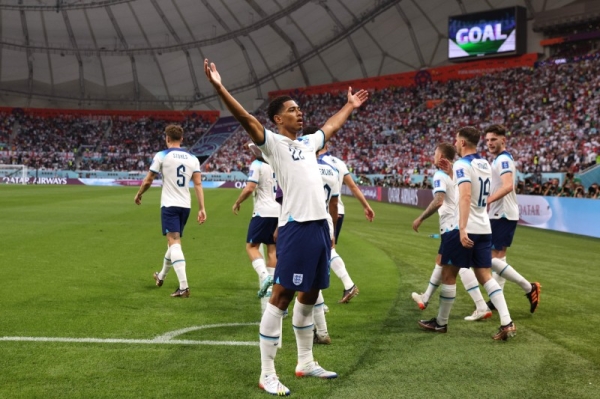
[471, 244]
[331, 187]
[302, 224]
[504, 214]
[178, 168]
[337, 264]
[263, 185]
[444, 202]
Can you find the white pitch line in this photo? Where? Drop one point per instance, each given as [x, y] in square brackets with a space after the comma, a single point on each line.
[161, 339]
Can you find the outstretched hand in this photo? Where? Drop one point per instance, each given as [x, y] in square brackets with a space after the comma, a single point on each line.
[357, 99]
[211, 72]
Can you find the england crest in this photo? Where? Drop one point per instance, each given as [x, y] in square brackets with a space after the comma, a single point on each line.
[297, 280]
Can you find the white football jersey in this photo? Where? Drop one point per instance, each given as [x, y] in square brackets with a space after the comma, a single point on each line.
[477, 171]
[442, 183]
[266, 186]
[295, 165]
[331, 188]
[176, 166]
[331, 182]
[342, 172]
[507, 206]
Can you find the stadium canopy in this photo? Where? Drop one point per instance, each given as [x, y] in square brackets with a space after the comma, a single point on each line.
[148, 54]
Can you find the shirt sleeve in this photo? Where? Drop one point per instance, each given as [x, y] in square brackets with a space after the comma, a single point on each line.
[462, 172]
[254, 173]
[505, 165]
[341, 167]
[156, 165]
[268, 144]
[318, 139]
[439, 183]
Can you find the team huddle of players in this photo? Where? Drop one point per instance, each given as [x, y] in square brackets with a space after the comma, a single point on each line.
[310, 212]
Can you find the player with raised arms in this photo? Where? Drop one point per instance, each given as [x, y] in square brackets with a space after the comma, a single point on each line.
[304, 243]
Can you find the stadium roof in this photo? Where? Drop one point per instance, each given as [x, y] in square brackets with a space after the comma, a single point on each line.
[148, 54]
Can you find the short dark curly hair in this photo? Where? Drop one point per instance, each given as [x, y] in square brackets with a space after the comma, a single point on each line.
[276, 105]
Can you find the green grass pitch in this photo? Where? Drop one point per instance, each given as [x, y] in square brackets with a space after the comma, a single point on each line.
[77, 264]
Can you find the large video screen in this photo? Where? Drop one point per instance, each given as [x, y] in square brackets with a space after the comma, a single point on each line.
[487, 34]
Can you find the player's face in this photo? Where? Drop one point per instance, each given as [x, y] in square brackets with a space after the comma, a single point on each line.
[437, 155]
[459, 144]
[495, 144]
[290, 117]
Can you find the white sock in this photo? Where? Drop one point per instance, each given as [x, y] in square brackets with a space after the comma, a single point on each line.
[497, 297]
[269, 336]
[179, 265]
[167, 265]
[447, 296]
[508, 272]
[339, 268]
[434, 282]
[472, 286]
[261, 269]
[501, 280]
[302, 320]
[319, 315]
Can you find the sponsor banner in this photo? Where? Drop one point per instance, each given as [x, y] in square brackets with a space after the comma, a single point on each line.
[408, 196]
[56, 181]
[370, 192]
[570, 215]
[231, 184]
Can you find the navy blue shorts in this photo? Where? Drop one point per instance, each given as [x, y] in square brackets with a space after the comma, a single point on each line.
[444, 237]
[303, 254]
[456, 255]
[338, 226]
[503, 231]
[173, 219]
[260, 230]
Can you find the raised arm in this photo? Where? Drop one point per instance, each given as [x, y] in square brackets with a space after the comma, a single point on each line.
[250, 124]
[334, 123]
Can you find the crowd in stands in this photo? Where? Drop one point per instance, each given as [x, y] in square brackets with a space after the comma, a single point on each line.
[231, 157]
[552, 113]
[87, 144]
[571, 187]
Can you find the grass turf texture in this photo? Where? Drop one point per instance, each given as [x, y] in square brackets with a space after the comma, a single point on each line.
[78, 263]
